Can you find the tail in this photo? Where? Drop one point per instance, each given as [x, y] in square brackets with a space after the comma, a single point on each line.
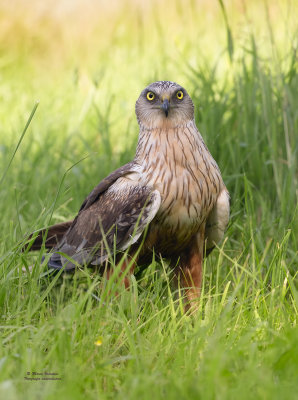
[49, 236]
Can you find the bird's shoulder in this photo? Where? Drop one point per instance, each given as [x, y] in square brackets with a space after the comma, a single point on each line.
[128, 169]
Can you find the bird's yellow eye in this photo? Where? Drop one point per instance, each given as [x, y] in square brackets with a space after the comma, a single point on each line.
[179, 95]
[150, 96]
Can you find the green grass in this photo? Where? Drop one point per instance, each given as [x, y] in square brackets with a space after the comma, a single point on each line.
[240, 68]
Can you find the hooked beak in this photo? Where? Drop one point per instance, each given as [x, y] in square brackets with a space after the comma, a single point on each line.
[165, 106]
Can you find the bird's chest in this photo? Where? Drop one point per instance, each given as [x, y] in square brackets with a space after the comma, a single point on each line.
[187, 197]
[181, 168]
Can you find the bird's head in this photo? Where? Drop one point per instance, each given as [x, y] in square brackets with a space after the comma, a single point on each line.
[164, 104]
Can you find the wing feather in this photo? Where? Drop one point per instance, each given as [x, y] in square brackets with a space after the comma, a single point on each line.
[52, 235]
[106, 183]
[117, 217]
[217, 220]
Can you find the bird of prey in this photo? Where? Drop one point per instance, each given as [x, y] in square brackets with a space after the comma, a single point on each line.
[173, 187]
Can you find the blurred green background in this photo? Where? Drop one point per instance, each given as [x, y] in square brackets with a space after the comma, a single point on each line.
[87, 61]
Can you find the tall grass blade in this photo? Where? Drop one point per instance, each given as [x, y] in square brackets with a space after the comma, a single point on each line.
[19, 142]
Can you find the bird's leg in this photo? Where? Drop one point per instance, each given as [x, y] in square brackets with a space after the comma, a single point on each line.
[189, 272]
[127, 267]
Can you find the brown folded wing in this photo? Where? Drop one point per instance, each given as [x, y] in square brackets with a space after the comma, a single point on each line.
[52, 235]
[115, 220]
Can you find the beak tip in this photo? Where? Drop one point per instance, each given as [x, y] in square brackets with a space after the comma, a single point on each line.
[165, 107]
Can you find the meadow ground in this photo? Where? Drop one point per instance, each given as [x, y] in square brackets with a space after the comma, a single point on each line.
[86, 63]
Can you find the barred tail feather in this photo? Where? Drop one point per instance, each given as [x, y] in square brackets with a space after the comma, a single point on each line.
[49, 236]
